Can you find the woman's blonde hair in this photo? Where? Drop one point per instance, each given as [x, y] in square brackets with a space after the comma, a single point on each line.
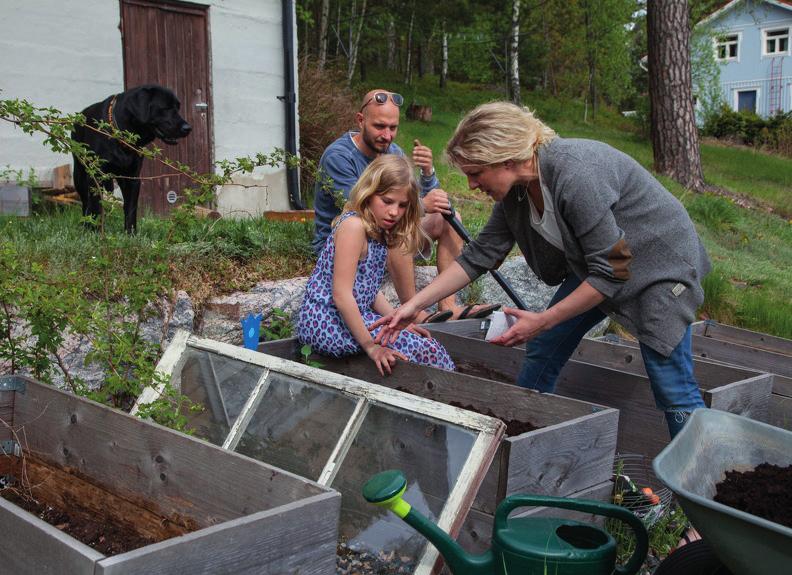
[386, 173]
[496, 132]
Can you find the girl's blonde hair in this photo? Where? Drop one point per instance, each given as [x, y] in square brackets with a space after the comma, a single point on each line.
[386, 173]
[496, 132]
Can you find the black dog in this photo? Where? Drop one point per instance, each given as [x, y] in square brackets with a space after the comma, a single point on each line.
[150, 111]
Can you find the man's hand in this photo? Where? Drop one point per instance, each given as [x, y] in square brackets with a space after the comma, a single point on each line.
[436, 201]
[422, 157]
[418, 330]
[383, 357]
[527, 327]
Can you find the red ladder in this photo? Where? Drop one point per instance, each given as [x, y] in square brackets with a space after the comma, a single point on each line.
[776, 86]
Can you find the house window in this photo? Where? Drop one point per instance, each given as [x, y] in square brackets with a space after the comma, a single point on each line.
[776, 42]
[726, 47]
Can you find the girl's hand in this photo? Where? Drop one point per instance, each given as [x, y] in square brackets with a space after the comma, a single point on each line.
[393, 323]
[527, 327]
[383, 357]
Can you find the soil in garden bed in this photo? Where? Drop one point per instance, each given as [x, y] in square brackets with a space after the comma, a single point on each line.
[765, 492]
[514, 427]
[483, 371]
[89, 513]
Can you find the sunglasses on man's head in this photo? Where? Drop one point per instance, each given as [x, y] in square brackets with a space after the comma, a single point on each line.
[382, 97]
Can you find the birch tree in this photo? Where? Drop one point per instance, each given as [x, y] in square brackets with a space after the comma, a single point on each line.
[323, 21]
[514, 54]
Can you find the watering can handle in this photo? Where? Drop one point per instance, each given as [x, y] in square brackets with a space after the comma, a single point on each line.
[587, 506]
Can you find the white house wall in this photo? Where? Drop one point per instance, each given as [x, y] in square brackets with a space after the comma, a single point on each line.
[69, 54]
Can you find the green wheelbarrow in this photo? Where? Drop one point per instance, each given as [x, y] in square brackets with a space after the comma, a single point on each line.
[711, 443]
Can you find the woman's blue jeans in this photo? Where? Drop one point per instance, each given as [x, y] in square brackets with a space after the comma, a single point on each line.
[675, 388]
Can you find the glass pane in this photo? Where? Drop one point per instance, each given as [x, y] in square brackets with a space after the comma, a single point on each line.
[296, 425]
[221, 385]
[429, 452]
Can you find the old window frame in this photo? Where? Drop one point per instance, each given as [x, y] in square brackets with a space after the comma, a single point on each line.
[726, 41]
[776, 35]
[489, 430]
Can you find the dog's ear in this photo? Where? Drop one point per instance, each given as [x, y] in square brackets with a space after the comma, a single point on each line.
[139, 103]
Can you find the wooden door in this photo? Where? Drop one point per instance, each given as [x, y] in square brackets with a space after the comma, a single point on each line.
[167, 43]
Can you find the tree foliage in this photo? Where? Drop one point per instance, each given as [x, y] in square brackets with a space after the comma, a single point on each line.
[577, 48]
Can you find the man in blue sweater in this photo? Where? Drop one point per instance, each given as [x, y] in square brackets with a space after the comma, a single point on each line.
[344, 161]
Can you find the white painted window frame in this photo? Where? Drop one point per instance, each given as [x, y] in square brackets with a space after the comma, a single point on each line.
[737, 92]
[716, 42]
[489, 430]
[765, 31]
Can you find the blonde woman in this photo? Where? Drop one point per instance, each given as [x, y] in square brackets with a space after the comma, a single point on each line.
[593, 220]
[342, 297]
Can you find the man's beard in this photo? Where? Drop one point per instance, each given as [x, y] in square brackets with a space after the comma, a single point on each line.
[373, 144]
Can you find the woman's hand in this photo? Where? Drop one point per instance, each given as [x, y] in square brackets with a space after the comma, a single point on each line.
[417, 330]
[527, 327]
[393, 323]
[383, 357]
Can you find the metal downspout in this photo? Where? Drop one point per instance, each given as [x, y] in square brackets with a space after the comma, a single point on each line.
[290, 99]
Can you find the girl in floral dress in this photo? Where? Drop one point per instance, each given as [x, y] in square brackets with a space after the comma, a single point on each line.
[342, 298]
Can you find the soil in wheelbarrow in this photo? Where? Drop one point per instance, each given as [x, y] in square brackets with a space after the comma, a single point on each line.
[90, 514]
[765, 492]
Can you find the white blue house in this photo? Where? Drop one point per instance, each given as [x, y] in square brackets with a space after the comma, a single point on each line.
[753, 43]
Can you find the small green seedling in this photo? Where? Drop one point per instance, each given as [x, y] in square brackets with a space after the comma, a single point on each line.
[305, 351]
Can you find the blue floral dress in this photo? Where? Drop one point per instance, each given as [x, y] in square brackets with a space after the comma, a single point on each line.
[319, 323]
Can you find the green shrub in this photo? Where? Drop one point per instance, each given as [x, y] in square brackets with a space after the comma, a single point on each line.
[774, 133]
[717, 213]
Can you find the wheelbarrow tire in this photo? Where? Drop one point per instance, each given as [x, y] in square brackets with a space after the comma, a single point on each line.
[694, 558]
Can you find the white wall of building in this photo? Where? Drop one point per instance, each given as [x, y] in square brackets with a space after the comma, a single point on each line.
[68, 55]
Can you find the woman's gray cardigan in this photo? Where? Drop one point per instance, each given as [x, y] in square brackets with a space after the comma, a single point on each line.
[623, 233]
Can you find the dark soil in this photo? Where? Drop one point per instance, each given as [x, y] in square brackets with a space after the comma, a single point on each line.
[513, 426]
[765, 492]
[483, 371]
[107, 538]
[351, 561]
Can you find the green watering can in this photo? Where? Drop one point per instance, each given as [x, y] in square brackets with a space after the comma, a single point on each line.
[523, 546]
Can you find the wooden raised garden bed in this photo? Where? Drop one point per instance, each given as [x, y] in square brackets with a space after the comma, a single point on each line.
[143, 498]
[612, 374]
[753, 350]
[561, 447]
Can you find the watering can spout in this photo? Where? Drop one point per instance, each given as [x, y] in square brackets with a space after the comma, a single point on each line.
[386, 489]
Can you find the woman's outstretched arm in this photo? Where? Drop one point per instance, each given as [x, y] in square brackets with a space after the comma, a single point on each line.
[450, 281]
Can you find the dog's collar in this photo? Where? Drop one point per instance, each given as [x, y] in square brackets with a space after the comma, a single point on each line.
[110, 112]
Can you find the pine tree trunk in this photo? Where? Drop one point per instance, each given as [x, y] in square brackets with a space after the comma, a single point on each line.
[514, 54]
[325, 16]
[444, 65]
[673, 123]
